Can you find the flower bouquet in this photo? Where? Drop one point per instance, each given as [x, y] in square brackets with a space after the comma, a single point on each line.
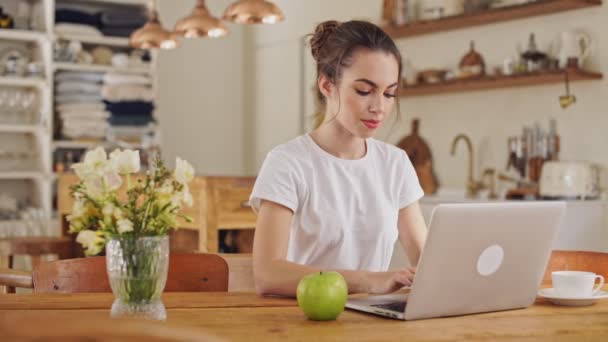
[131, 218]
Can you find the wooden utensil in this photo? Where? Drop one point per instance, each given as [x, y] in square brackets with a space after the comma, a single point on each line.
[421, 157]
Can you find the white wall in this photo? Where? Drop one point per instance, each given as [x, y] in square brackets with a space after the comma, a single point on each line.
[201, 96]
[283, 63]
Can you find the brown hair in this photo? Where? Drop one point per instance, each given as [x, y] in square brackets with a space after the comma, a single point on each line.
[333, 43]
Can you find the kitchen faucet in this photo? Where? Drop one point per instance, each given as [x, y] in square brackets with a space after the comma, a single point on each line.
[473, 186]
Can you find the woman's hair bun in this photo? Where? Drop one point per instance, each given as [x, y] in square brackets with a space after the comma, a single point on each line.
[319, 38]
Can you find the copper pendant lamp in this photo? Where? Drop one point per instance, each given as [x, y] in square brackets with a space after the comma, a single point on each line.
[152, 35]
[200, 24]
[253, 12]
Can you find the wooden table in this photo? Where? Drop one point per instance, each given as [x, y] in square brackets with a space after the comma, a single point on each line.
[244, 316]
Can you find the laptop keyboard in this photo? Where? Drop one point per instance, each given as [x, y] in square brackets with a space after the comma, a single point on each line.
[396, 306]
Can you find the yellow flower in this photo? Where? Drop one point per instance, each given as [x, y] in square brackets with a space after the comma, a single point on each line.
[93, 242]
[124, 225]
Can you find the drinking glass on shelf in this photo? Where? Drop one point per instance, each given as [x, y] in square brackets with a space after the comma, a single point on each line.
[3, 105]
[27, 105]
[12, 104]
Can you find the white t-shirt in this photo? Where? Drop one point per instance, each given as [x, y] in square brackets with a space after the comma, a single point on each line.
[345, 211]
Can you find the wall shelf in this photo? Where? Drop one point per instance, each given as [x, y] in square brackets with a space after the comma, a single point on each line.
[101, 40]
[536, 8]
[18, 175]
[100, 68]
[497, 82]
[22, 35]
[22, 82]
[119, 2]
[76, 144]
[9, 128]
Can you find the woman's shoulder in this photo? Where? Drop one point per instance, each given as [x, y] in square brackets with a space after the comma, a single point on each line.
[293, 148]
[386, 151]
[296, 151]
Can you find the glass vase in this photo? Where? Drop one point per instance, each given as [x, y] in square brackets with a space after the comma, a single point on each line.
[137, 269]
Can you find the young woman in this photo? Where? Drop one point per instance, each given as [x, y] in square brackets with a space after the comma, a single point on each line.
[337, 199]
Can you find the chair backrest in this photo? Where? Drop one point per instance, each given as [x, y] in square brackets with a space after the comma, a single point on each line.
[15, 278]
[226, 206]
[187, 273]
[576, 261]
[240, 272]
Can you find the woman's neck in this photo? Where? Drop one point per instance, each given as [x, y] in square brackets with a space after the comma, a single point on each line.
[338, 141]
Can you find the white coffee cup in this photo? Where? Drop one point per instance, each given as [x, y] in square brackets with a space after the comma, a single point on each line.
[576, 284]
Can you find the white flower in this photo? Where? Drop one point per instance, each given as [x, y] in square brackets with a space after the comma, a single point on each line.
[118, 214]
[78, 208]
[93, 187]
[125, 162]
[112, 180]
[124, 226]
[166, 188]
[94, 164]
[86, 238]
[91, 241]
[184, 172]
[108, 209]
[187, 197]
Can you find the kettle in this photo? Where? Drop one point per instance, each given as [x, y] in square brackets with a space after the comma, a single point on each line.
[570, 180]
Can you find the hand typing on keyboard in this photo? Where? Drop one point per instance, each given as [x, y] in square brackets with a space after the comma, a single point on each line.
[387, 282]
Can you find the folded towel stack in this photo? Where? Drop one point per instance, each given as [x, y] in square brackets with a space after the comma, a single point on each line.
[129, 100]
[74, 19]
[79, 105]
[121, 23]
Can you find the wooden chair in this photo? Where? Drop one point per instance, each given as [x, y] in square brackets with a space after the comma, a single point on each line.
[187, 273]
[225, 206]
[576, 261]
[219, 203]
[35, 247]
[240, 272]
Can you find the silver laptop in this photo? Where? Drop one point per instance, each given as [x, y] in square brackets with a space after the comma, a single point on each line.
[478, 257]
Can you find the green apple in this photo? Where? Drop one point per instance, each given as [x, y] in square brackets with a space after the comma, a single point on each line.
[322, 295]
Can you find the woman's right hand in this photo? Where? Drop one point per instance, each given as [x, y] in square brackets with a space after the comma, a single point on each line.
[387, 282]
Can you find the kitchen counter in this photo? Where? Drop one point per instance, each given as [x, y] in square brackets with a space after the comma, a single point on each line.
[584, 228]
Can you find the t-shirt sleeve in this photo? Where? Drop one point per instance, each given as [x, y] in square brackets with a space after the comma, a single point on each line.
[411, 191]
[276, 182]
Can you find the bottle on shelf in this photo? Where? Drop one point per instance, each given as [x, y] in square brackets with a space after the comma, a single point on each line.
[6, 20]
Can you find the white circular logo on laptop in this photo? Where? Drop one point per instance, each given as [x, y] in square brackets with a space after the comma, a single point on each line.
[490, 260]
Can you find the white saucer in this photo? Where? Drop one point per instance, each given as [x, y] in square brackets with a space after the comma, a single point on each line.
[552, 295]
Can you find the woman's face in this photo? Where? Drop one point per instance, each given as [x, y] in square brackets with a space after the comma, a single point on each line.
[367, 92]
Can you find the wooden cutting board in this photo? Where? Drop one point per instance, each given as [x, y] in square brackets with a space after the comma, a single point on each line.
[421, 157]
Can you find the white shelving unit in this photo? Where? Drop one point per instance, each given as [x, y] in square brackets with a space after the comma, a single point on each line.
[8, 128]
[22, 175]
[22, 35]
[44, 178]
[22, 82]
[38, 131]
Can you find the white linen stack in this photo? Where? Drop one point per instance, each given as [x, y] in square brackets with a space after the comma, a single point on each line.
[79, 105]
[130, 100]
